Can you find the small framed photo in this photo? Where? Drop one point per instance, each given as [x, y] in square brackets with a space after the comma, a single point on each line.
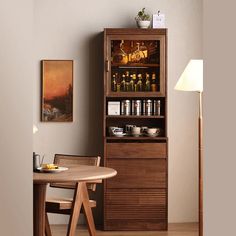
[113, 108]
[57, 90]
[158, 20]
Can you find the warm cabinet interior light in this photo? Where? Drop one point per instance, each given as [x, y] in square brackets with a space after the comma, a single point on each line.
[192, 77]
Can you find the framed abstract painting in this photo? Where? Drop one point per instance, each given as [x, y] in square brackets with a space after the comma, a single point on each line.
[57, 90]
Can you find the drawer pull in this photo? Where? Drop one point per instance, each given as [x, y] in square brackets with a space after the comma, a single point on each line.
[107, 66]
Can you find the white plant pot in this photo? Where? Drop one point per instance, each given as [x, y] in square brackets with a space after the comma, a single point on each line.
[143, 24]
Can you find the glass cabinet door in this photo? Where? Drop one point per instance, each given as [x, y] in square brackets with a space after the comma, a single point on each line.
[135, 67]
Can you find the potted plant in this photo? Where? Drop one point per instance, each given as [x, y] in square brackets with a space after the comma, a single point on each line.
[143, 19]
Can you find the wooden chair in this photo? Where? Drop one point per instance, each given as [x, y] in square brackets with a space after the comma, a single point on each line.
[65, 205]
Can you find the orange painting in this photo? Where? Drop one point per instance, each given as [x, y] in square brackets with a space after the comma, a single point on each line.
[57, 90]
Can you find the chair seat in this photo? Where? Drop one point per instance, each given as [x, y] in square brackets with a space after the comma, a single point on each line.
[58, 204]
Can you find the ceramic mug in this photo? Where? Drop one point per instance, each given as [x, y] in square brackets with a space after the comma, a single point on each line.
[151, 130]
[136, 131]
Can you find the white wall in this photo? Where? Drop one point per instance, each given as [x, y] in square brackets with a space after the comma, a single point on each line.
[16, 70]
[72, 30]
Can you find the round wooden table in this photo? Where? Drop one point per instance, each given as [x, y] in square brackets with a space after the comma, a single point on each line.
[80, 175]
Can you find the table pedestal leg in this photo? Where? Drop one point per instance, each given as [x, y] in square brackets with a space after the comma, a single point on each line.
[39, 209]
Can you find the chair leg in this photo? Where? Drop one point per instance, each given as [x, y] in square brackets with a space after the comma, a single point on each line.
[75, 211]
[87, 211]
[47, 226]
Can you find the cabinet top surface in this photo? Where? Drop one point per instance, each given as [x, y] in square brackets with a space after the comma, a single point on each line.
[162, 31]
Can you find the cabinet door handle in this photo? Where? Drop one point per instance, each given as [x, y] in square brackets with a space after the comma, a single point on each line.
[107, 65]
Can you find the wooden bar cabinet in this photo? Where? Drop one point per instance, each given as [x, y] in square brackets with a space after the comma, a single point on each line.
[135, 69]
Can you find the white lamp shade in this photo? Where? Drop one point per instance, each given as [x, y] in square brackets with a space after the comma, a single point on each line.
[192, 77]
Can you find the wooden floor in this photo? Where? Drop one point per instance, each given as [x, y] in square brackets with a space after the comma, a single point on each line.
[183, 229]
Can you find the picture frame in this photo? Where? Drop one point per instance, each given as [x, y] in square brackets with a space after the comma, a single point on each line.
[57, 90]
[158, 20]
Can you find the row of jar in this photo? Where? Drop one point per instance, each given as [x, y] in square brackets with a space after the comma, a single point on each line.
[135, 107]
[128, 82]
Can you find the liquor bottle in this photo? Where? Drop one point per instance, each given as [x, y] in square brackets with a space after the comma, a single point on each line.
[154, 83]
[117, 82]
[135, 82]
[114, 84]
[147, 84]
[131, 83]
[139, 83]
[118, 87]
[127, 82]
[122, 84]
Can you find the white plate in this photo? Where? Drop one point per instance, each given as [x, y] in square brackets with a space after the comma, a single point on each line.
[60, 169]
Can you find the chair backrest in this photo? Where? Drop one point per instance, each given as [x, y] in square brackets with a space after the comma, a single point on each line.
[62, 159]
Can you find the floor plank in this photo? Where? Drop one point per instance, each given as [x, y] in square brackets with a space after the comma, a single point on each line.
[183, 229]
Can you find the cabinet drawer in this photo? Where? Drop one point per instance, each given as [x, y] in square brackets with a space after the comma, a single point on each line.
[138, 173]
[128, 212]
[136, 150]
[155, 197]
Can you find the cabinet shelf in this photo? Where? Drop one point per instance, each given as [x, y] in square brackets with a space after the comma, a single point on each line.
[134, 117]
[135, 94]
[134, 65]
[136, 138]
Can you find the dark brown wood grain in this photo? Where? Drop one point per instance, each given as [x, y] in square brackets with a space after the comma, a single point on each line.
[134, 31]
[137, 198]
[138, 173]
[136, 150]
[136, 212]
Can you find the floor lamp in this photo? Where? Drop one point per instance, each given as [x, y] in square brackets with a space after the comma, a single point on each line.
[192, 80]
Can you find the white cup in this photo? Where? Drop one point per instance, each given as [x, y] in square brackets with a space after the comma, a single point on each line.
[136, 130]
[151, 130]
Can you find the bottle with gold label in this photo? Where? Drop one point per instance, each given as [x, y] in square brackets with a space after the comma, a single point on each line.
[122, 84]
[127, 82]
[147, 83]
[114, 83]
[154, 83]
[131, 83]
[135, 82]
[139, 83]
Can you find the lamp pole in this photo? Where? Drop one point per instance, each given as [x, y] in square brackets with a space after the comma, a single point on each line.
[200, 163]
